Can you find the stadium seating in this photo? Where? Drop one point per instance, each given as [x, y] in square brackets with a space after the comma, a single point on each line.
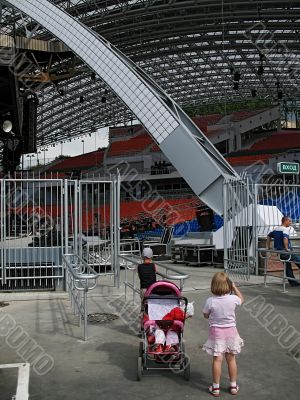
[133, 145]
[279, 141]
[204, 121]
[178, 210]
[248, 159]
[288, 204]
[241, 115]
[82, 161]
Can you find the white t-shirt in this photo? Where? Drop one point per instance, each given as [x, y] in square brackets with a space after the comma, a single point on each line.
[221, 310]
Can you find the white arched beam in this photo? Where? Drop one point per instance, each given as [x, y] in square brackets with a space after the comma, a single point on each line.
[195, 158]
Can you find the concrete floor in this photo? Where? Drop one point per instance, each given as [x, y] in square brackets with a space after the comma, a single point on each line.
[105, 365]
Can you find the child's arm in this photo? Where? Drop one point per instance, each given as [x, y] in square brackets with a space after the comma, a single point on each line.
[237, 292]
[206, 309]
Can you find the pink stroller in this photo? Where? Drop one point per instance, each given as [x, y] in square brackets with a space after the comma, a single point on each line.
[164, 312]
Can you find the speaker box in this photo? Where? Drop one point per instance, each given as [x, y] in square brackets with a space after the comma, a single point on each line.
[205, 218]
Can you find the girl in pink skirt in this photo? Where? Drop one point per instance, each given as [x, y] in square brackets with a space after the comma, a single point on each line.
[223, 336]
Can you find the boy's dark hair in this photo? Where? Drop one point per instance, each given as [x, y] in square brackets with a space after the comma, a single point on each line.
[285, 218]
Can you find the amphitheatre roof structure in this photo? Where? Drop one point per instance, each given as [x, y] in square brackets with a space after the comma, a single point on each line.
[199, 51]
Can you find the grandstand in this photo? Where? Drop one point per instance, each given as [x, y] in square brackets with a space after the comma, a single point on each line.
[201, 99]
[75, 99]
[134, 152]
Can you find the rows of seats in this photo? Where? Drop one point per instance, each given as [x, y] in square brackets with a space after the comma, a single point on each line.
[204, 121]
[279, 140]
[248, 159]
[288, 204]
[176, 211]
[123, 131]
[87, 160]
[133, 145]
[241, 115]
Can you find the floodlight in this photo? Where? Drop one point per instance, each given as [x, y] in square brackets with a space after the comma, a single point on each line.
[6, 126]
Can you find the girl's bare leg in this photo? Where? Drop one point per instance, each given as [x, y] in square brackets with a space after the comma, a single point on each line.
[232, 367]
[217, 368]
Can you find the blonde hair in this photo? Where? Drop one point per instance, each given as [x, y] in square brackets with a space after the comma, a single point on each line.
[220, 284]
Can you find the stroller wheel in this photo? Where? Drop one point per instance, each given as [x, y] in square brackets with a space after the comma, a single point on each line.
[186, 369]
[141, 349]
[139, 368]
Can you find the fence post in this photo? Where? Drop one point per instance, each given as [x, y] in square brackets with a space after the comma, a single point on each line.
[66, 203]
[225, 221]
[255, 229]
[247, 223]
[75, 224]
[117, 222]
[2, 232]
[85, 313]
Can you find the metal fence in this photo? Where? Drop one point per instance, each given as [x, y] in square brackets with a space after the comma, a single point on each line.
[251, 211]
[238, 228]
[41, 219]
[98, 240]
[31, 234]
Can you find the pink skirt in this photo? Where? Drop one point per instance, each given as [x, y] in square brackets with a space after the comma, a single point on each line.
[223, 340]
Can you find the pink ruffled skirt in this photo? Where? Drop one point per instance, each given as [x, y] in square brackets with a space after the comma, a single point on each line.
[223, 340]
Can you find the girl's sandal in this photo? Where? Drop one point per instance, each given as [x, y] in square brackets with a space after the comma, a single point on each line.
[234, 389]
[214, 391]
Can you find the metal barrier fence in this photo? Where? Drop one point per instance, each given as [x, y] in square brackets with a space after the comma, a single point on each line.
[238, 228]
[98, 224]
[41, 219]
[31, 233]
[251, 211]
[130, 265]
[267, 256]
[80, 279]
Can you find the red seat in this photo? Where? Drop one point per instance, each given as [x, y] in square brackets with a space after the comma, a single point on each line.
[133, 145]
[279, 141]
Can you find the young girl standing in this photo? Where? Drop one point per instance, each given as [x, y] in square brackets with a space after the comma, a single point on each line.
[223, 336]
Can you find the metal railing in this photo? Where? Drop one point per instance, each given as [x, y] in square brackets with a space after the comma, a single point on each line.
[130, 264]
[266, 256]
[80, 279]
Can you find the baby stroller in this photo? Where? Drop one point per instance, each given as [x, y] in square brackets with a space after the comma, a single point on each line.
[164, 312]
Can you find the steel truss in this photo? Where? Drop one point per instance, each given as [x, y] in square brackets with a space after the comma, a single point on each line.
[190, 48]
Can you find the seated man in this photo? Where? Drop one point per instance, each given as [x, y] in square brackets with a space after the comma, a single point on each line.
[282, 243]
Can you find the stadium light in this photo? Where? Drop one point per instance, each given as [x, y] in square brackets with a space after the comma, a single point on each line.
[6, 126]
[260, 70]
[236, 76]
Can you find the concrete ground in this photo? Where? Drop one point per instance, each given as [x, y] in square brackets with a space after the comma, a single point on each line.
[105, 365]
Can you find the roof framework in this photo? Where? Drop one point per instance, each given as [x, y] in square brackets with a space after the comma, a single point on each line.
[192, 48]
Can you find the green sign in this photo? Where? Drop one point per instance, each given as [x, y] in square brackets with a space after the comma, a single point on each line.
[288, 168]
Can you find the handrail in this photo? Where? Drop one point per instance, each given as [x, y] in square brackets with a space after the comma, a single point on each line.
[272, 251]
[80, 278]
[78, 272]
[136, 260]
[280, 260]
